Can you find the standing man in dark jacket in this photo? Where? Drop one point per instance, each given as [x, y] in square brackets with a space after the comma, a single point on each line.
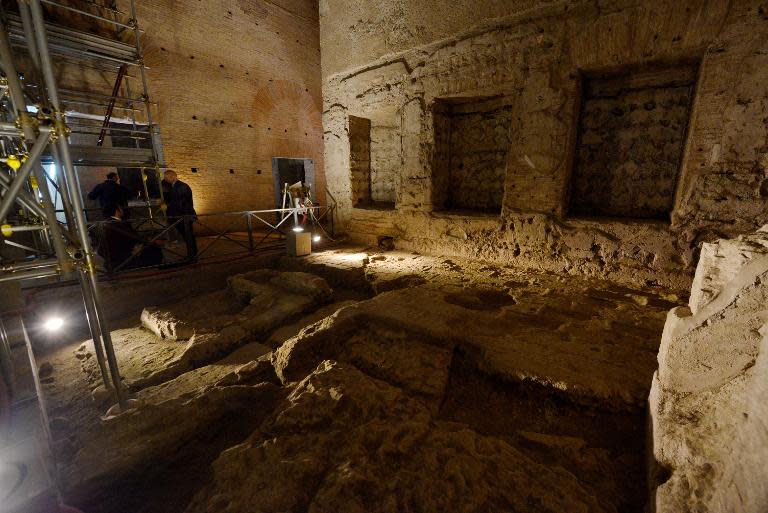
[110, 193]
[181, 208]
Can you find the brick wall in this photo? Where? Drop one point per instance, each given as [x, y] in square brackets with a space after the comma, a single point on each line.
[235, 82]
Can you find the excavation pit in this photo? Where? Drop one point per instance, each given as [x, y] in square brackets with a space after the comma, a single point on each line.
[549, 375]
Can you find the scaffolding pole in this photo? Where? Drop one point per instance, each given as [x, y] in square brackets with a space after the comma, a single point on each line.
[40, 142]
[46, 129]
[90, 284]
[145, 98]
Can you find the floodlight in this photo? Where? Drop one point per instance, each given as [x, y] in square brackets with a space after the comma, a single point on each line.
[53, 323]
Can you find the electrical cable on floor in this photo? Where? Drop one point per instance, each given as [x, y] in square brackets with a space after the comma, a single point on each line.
[320, 225]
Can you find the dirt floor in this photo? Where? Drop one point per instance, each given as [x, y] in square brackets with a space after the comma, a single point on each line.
[359, 380]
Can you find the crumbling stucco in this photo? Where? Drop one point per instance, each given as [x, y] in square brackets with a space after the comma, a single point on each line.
[708, 400]
[411, 57]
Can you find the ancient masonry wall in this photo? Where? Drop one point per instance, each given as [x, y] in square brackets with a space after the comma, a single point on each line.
[385, 160]
[630, 144]
[612, 169]
[360, 159]
[235, 84]
[472, 155]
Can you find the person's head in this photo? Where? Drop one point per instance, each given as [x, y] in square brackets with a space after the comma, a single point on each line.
[113, 176]
[113, 210]
[170, 176]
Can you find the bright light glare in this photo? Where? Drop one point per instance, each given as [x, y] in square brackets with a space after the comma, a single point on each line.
[298, 229]
[51, 170]
[316, 238]
[53, 323]
[351, 257]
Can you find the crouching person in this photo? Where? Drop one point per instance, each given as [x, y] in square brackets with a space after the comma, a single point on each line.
[122, 247]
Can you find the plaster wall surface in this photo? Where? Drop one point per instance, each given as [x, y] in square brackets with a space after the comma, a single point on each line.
[411, 56]
[708, 399]
[375, 29]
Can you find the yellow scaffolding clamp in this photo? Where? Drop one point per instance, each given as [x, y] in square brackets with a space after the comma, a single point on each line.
[13, 162]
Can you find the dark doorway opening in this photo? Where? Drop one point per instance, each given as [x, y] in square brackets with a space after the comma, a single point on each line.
[292, 170]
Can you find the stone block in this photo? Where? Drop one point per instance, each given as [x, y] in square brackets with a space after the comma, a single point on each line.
[720, 262]
[299, 243]
[165, 325]
[707, 403]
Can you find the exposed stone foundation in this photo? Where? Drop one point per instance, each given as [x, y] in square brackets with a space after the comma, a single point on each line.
[459, 386]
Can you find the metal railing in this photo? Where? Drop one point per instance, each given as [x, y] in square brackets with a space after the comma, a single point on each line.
[221, 234]
[45, 136]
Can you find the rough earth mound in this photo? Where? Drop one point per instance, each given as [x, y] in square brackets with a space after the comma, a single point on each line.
[279, 394]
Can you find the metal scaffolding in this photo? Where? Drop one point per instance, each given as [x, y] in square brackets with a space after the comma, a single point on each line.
[40, 151]
[37, 127]
[116, 54]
